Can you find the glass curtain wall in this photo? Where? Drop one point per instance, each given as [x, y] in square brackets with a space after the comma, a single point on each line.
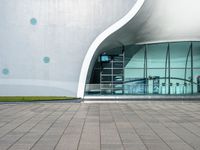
[152, 69]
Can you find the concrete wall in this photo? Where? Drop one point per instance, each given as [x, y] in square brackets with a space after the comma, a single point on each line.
[43, 42]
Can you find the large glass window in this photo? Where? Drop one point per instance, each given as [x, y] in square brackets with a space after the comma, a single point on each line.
[153, 69]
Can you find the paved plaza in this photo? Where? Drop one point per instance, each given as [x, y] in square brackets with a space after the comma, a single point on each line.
[138, 125]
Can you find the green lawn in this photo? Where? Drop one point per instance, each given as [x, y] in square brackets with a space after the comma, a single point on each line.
[33, 98]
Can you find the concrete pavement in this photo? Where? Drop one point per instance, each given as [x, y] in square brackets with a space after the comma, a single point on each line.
[138, 125]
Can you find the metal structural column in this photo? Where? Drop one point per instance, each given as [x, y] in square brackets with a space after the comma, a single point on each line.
[192, 69]
[145, 69]
[168, 68]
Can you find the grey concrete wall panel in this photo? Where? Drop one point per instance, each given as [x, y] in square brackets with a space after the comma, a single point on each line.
[43, 42]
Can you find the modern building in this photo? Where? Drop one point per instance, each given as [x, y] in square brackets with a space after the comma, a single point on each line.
[100, 49]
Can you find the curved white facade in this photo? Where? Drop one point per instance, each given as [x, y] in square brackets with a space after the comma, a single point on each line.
[48, 47]
[161, 21]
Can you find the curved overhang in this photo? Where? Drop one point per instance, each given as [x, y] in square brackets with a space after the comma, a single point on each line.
[160, 21]
[149, 21]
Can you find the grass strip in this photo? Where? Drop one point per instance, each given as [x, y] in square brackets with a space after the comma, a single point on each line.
[33, 98]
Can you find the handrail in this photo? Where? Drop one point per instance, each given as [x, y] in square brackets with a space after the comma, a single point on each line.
[161, 78]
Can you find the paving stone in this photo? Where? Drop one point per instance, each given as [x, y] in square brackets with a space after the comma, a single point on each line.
[112, 147]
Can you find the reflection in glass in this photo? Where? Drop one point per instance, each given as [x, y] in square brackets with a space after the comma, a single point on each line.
[153, 69]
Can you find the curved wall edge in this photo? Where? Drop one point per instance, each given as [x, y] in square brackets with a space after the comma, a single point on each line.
[94, 46]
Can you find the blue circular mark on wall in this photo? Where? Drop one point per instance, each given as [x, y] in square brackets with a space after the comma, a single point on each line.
[46, 60]
[33, 21]
[5, 71]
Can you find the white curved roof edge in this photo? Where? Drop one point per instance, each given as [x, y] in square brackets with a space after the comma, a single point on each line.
[92, 49]
[160, 21]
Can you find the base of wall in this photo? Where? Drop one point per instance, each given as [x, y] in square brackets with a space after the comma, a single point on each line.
[143, 97]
